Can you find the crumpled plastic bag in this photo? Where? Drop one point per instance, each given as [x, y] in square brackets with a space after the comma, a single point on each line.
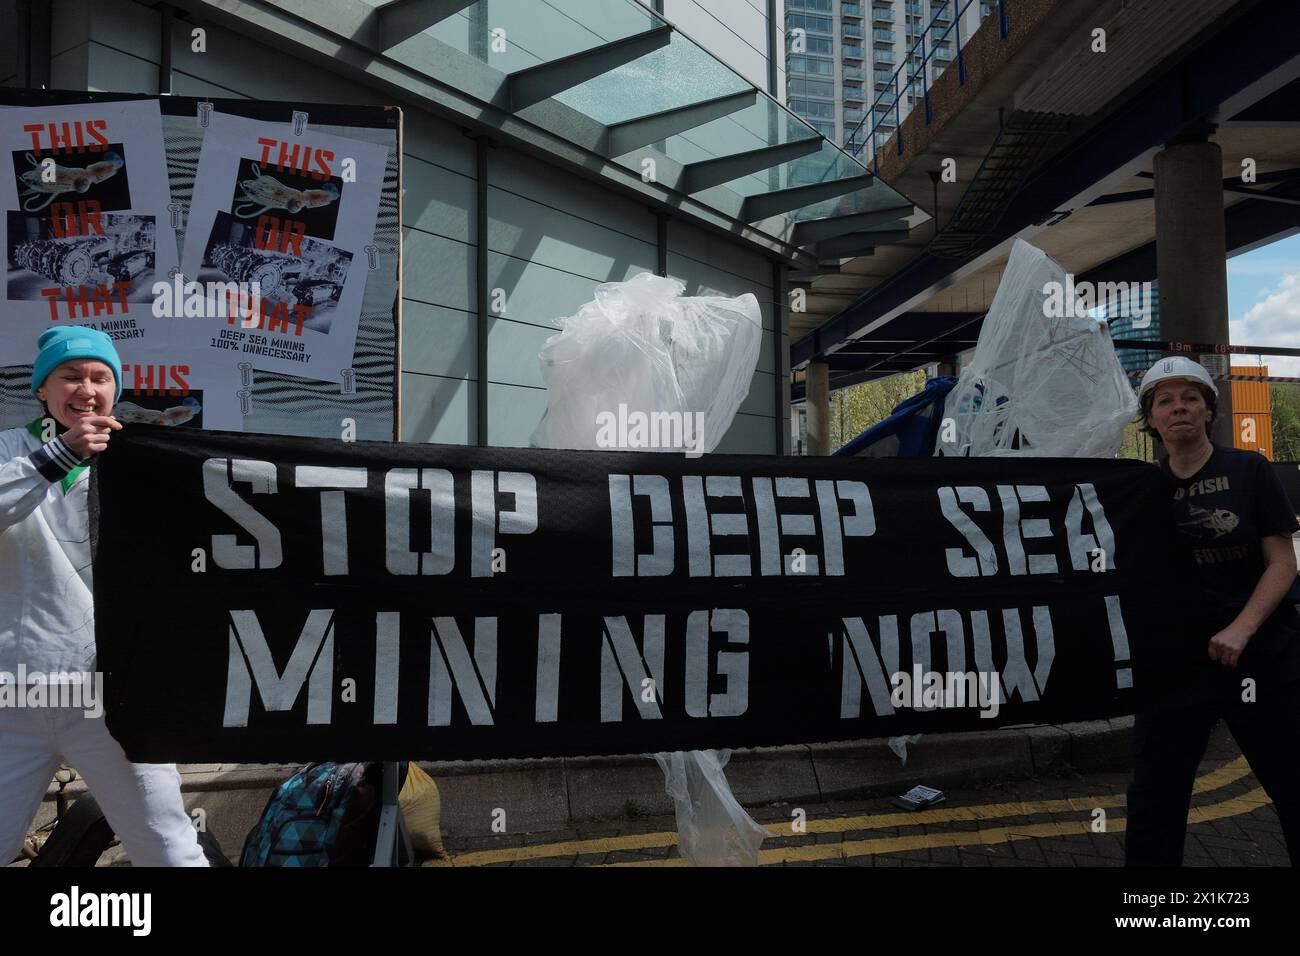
[712, 828]
[1038, 385]
[643, 345]
[899, 745]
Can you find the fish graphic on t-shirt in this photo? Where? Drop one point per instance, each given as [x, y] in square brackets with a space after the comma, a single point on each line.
[1204, 523]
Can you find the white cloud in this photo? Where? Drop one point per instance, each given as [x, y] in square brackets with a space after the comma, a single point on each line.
[1274, 321]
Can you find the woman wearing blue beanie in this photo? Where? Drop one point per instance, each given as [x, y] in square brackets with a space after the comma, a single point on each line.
[47, 616]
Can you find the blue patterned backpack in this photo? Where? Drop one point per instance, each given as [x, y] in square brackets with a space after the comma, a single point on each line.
[327, 814]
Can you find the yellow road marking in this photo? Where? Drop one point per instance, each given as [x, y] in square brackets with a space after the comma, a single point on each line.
[1246, 803]
[1214, 780]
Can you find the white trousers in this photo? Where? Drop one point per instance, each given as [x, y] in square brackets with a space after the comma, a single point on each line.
[142, 801]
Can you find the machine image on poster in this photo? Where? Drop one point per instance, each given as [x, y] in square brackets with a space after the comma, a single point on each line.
[300, 284]
[116, 259]
[88, 221]
[278, 225]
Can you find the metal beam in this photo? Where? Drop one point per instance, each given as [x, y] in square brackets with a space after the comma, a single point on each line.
[823, 269]
[783, 200]
[811, 230]
[855, 243]
[1254, 194]
[838, 294]
[629, 135]
[402, 19]
[545, 80]
[1133, 196]
[1235, 67]
[1232, 184]
[723, 169]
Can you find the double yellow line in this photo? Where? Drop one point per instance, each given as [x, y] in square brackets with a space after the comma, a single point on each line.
[1216, 779]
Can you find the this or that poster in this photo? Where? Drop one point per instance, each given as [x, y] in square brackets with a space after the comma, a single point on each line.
[278, 241]
[87, 223]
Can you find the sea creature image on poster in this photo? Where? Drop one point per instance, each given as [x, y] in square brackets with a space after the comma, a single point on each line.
[49, 179]
[270, 193]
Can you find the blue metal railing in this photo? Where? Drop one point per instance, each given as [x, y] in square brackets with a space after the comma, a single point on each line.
[944, 20]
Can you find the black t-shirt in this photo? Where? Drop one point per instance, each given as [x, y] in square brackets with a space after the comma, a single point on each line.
[1221, 513]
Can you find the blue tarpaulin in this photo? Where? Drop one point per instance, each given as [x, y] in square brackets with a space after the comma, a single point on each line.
[911, 428]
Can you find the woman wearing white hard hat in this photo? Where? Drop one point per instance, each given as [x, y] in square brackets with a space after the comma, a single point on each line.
[1235, 519]
[47, 624]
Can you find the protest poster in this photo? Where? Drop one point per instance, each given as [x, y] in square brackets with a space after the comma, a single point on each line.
[88, 222]
[279, 225]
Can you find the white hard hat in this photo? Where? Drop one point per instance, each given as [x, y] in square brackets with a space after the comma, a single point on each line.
[1173, 369]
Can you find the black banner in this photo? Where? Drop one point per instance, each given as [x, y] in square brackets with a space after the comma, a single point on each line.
[264, 598]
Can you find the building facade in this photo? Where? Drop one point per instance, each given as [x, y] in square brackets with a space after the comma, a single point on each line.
[843, 63]
[551, 235]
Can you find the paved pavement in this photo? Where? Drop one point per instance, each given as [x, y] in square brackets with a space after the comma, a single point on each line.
[1044, 821]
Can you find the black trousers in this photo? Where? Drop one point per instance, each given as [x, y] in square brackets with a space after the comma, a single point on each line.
[1168, 746]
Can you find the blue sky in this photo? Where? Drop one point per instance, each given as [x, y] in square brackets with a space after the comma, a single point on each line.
[1264, 302]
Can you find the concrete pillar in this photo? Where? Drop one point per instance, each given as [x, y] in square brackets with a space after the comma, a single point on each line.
[817, 387]
[1191, 258]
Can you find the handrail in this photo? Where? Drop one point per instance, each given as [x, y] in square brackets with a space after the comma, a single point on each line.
[852, 144]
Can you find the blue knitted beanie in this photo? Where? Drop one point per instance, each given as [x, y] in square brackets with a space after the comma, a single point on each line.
[70, 342]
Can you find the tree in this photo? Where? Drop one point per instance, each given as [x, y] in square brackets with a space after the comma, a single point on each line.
[858, 407]
[1136, 443]
[1286, 421]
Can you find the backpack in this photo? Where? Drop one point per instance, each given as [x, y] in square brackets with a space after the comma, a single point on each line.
[327, 814]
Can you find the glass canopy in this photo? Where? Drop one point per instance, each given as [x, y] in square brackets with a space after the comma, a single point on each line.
[650, 91]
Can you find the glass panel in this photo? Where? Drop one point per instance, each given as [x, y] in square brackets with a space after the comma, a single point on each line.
[512, 35]
[763, 124]
[676, 75]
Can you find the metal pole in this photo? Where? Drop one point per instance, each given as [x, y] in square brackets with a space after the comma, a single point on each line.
[961, 66]
[165, 61]
[778, 327]
[484, 294]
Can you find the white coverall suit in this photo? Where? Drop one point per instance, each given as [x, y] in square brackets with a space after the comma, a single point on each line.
[47, 625]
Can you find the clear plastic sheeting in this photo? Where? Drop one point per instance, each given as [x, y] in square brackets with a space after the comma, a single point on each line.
[899, 745]
[635, 363]
[712, 828]
[1044, 380]
[643, 368]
